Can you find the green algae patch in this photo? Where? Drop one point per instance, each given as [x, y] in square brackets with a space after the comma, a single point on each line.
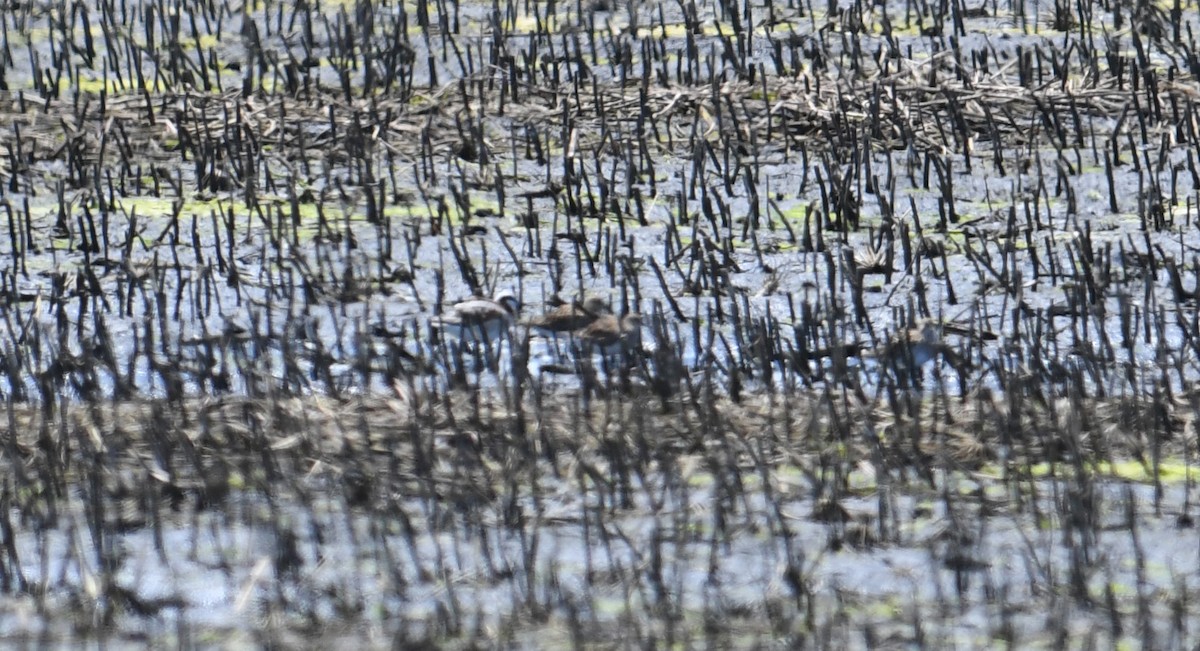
[152, 207]
[700, 479]
[110, 86]
[535, 24]
[1168, 471]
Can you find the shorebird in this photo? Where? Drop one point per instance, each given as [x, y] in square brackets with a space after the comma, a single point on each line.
[569, 317]
[610, 335]
[479, 320]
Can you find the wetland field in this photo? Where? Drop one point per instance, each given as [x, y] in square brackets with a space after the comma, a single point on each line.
[916, 366]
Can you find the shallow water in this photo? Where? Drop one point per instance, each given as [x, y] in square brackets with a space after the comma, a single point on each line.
[276, 228]
[224, 570]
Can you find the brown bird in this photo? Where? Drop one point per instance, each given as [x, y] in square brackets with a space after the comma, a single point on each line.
[610, 335]
[569, 317]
